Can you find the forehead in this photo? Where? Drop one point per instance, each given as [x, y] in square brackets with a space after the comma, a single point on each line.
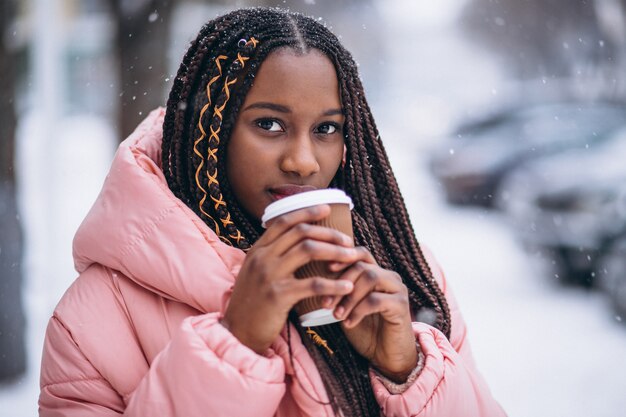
[287, 75]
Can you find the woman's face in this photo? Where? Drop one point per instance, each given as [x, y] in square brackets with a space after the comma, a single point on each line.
[288, 136]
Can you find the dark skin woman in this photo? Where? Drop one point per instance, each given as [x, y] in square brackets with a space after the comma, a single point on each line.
[185, 302]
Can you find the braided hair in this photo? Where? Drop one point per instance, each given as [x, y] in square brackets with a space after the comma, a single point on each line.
[212, 82]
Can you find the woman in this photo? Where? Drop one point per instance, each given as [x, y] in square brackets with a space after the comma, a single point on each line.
[183, 302]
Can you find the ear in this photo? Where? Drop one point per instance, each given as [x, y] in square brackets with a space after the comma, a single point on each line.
[343, 159]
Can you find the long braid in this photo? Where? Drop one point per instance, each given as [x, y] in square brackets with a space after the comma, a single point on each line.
[397, 220]
[211, 85]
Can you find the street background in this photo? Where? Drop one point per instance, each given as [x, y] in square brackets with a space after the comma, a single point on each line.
[545, 349]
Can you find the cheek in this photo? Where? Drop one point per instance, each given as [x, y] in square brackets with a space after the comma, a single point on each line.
[331, 163]
[235, 155]
[335, 161]
[246, 165]
[238, 170]
[247, 157]
[231, 164]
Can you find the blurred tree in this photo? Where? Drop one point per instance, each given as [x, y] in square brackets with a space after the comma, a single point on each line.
[550, 38]
[141, 45]
[12, 320]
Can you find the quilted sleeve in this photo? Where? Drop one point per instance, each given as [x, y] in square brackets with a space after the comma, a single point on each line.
[449, 384]
[204, 370]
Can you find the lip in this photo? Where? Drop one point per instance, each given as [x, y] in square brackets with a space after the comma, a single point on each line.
[282, 191]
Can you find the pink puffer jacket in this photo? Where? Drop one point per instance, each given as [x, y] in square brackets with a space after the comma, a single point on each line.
[137, 333]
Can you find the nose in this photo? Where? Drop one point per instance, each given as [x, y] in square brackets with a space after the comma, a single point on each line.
[299, 157]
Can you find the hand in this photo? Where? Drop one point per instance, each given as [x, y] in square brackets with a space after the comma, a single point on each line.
[377, 319]
[266, 288]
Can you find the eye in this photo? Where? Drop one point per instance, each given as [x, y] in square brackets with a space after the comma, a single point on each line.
[327, 128]
[270, 125]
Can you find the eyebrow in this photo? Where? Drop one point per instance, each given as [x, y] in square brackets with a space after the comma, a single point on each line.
[284, 109]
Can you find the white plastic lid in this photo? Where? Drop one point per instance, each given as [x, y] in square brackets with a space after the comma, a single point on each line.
[318, 318]
[306, 199]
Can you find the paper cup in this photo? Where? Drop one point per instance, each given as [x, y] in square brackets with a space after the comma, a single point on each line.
[310, 310]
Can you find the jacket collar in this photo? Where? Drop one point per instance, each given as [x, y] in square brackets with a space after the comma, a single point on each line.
[139, 228]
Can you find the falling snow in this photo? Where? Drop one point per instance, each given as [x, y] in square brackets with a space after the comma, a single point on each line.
[534, 341]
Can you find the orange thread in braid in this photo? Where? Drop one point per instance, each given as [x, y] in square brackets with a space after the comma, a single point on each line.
[219, 68]
[242, 59]
[212, 152]
[212, 179]
[201, 138]
[218, 110]
[318, 340]
[227, 220]
[237, 237]
[225, 240]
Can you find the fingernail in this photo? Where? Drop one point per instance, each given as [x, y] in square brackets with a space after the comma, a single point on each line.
[339, 312]
[327, 301]
[337, 266]
[347, 285]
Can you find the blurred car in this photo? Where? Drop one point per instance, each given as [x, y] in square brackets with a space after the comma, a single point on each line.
[570, 207]
[473, 162]
[612, 276]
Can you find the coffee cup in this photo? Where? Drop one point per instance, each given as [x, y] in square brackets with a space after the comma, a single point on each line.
[310, 310]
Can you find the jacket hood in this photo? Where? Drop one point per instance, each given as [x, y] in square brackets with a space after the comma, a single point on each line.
[139, 228]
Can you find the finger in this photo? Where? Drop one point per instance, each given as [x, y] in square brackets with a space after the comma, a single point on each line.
[364, 255]
[337, 266]
[351, 274]
[281, 224]
[309, 250]
[303, 231]
[299, 289]
[394, 308]
[364, 279]
[367, 279]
